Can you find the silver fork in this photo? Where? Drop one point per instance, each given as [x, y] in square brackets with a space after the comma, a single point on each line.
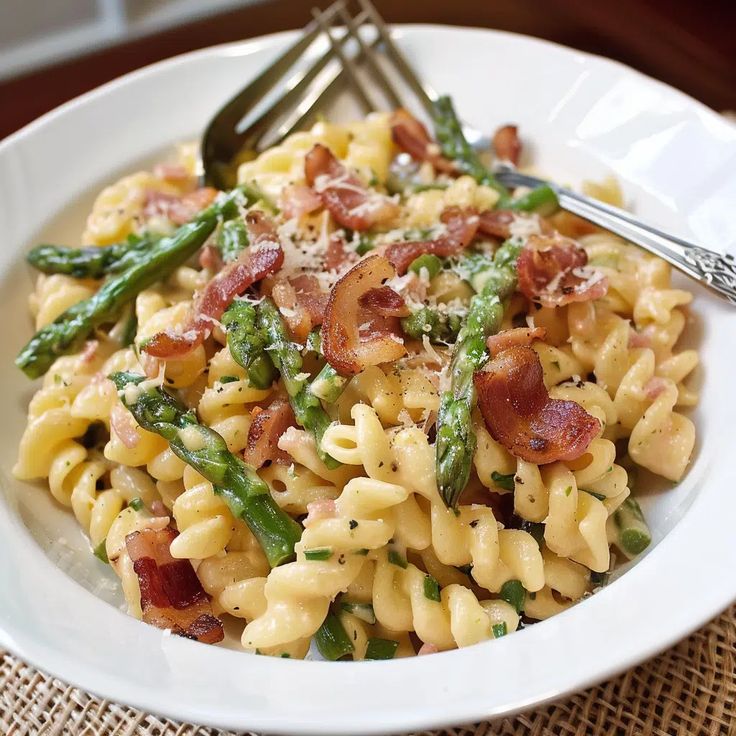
[347, 50]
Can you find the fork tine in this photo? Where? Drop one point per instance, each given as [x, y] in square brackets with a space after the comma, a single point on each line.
[347, 63]
[425, 93]
[353, 30]
[259, 127]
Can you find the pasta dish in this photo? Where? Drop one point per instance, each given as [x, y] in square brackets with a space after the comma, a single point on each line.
[368, 399]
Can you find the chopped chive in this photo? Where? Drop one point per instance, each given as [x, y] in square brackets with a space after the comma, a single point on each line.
[228, 379]
[396, 559]
[365, 245]
[505, 481]
[429, 261]
[599, 496]
[322, 553]
[100, 552]
[633, 533]
[332, 640]
[431, 588]
[536, 529]
[568, 490]
[598, 578]
[499, 630]
[513, 592]
[364, 611]
[285, 655]
[136, 504]
[381, 648]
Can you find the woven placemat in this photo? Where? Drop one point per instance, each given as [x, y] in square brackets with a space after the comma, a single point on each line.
[689, 690]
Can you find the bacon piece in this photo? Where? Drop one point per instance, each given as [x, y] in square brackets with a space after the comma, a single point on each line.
[178, 209]
[171, 595]
[210, 258]
[265, 430]
[349, 202]
[125, 426]
[302, 303]
[496, 223]
[172, 172]
[461, 227]
[514, 337]
[427, 648]
[263, 257]
[552, 271]
[506, 144]
[384, 302]
[347, 347]
[299, 199]
[655, 386]
[325, 508]
[522, 417]
[410, 135]
[337, 254]
[90, 351]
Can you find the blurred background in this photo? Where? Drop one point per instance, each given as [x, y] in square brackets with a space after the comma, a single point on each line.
[53, 50]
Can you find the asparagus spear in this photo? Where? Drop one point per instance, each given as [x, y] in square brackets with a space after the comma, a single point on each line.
[454, 145]
[455, 438]
[68, 331]
[328, 384]
[438, 326]
[247, 343]
[287, 358]
[232, 239]
[631, 527]
[245, 493]
[93, 262]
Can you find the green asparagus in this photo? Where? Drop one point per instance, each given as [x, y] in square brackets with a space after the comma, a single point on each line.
[456, 441]
[633, 535]
[328, 384]
[246, 495]
[288, 360]
[68, 332]
[332, 640]
[93, 262]
[439, 326]
[247, 343]
[454, 145]
[232, 239]
[542, 199]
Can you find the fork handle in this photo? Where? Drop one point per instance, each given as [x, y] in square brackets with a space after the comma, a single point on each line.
[714, 270]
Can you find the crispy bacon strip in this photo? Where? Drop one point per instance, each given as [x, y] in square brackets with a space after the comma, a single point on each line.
[349, 341]
[553, 271]
[506, 144]
[514, 337]
[522, 417]
[410, 135]
[461, 227]
[349, 202]
[263, 257]
[385, 302]
[298, 199]
[337, 254]
[178, 209]
[265, 430]
[496, 223]
[302, 303]
[171, 595]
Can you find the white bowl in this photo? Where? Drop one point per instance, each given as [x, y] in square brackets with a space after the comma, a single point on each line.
[586, 117]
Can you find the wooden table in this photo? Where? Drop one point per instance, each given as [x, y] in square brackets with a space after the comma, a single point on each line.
[689, 45]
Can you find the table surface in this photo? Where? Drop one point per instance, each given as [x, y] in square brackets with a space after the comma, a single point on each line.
[673, 40]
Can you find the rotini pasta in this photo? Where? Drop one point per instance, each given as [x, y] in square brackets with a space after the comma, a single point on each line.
[314, 489]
